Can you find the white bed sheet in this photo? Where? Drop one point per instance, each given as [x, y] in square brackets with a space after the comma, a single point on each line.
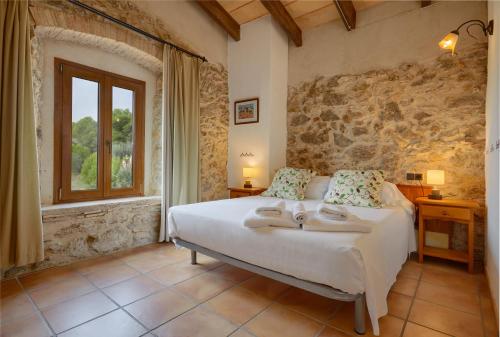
[351, 262]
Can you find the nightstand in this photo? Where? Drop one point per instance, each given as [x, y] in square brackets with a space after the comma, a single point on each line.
[461, 211]
[239, 192]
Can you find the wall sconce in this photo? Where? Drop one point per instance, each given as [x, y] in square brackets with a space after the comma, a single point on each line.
[450, 40]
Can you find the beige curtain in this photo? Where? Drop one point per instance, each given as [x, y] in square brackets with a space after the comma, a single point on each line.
[181, 114]
[20, 216]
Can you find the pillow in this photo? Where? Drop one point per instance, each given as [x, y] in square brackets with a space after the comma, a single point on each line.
[289, 183]
[389, 194]
[317, 187]
[356, 188]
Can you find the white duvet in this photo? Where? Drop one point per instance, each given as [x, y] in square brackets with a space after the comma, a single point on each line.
[352, 262]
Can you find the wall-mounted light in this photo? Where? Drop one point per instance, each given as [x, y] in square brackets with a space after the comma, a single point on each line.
[450, 40]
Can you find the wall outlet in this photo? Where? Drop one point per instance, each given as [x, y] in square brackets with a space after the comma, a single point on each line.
[419, 176]
[410, 176]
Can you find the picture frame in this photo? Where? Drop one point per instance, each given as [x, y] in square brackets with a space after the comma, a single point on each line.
[246, 111]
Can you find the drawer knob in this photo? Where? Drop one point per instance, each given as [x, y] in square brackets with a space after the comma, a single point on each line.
[444, 213]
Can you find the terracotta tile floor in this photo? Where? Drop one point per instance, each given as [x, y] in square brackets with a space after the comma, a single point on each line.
[154, 291]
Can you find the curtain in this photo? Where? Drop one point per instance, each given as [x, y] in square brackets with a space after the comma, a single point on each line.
[181, 114]
[20, 215]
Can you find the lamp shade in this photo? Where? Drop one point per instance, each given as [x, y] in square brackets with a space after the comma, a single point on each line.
[248, 172]
[435, 177]
[449, 41]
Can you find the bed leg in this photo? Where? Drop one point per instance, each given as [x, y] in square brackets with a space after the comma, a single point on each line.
[359, 315]
[193, 256]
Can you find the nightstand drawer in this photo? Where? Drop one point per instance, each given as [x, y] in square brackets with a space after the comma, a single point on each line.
[238, 194]
[446, 212]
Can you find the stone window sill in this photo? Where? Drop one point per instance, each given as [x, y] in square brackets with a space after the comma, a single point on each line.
[98, 203]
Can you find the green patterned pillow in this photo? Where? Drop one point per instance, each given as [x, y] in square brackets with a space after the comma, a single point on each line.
[289, 183]
[357, 188]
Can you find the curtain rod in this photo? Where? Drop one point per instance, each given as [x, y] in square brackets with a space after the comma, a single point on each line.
[134, 28]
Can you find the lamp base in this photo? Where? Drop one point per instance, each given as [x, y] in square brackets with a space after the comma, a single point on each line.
[435, 195]
[247, 184]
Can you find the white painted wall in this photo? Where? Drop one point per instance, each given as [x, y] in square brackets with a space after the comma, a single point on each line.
[94, 58]
[386, 35]
[258, 67]
[186, 21]
[492, 160]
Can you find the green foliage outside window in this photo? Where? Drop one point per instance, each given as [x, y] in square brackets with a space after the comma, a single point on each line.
[84, 151]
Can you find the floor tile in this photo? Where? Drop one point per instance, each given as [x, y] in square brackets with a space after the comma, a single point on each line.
[238, 305]
[489, 320]
[68, 314]
[307, 303]
[198, 322]
[399, 305]
[131, 290]
[16, 305]
[61, 291]
[111, 275]
[46, 277]
[160, 307]
[115, 324]
[9, 287]
[415, 330]
[172, 254]
[331, 332]
[177, 272]
[31, 325]
[208, 262]
[412, 270]
[232, 273]
[279, 321]
[148, 261]
[404, 285]
[204, 286]
[450, 297]
[242, 333]
[453, 279]
[264, 286]
[446, 320]
[93, 265]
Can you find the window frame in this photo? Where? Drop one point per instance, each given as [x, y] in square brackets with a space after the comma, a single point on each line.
[64, 71]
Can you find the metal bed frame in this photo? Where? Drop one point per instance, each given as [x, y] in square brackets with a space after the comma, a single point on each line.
[320, 289]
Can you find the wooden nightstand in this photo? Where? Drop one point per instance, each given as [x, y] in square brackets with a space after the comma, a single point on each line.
[461, 211]
[238, 192]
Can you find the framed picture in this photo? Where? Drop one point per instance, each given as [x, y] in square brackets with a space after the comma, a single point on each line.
[246, 111]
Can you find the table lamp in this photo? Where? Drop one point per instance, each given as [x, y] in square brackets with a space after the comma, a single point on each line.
[248, 174]
[434, 178]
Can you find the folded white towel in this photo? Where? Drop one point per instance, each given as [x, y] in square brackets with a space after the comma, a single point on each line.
[299, 213]
[275, 209]
[316, 222]
[333, 212]
[254, 220]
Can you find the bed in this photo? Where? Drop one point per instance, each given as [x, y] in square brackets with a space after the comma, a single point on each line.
[359, 267]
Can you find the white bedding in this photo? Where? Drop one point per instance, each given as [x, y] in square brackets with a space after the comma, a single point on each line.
[352, 262]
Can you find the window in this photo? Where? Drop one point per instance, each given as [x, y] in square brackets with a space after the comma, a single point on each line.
[98, 134]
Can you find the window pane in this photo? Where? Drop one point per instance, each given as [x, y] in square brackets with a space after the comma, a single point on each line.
[85, 132]
[123, 138]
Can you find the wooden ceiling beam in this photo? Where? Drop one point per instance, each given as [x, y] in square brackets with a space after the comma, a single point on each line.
[223, 18]
[347, 13]
[280, 14]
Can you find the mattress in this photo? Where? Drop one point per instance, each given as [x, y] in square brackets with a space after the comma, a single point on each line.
[352, 262]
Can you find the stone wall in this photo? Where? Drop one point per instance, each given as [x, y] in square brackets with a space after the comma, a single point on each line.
[214, 122]
[73, 233]
[408, 119]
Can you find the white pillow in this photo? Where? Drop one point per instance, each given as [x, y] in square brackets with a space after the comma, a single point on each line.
[392, 196]
[317, 187]
[389, 194]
